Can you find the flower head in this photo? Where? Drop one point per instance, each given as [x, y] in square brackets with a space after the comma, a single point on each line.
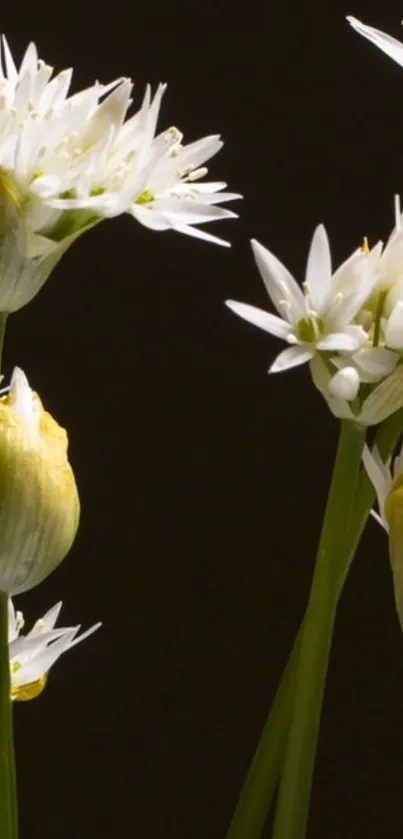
[32, 655]
[69, 161]
[39, 506]
[347, 324]
[319, 317]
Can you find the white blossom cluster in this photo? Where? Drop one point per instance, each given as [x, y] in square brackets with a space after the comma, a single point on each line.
[348, 323]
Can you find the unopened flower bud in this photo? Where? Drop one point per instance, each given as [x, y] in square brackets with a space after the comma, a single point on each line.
[394, 518]
[345, 384]
[39, 505]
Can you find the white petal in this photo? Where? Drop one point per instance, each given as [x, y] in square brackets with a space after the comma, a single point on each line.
[47, 622]
[318, 276]
[377, 361]
[394, 328]
[24, 402]
[338, 341]
[380, 520]
[291, 357]
[389, 45]
[264, 320]
[280, 284]
[345, 384]
[379, 475]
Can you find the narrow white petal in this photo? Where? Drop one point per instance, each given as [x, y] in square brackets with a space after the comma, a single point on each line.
[388, 45]
[280, 284]
[378, 474]
[189, 230]
[47, 622]
[394, 328]
[291, 357]
[10, 67]
[380, 520]
[84, 635]
[318, 276]
[264, 320]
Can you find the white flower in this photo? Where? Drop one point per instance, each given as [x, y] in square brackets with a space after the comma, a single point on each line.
[320, 316]
[32, 655]
[67, 162]
[389, 45]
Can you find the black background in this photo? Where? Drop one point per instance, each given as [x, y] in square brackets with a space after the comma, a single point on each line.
[203, 480]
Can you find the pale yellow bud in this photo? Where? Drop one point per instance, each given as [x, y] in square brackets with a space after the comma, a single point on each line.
[39, 505]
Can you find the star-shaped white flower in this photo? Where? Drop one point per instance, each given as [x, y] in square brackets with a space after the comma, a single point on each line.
[32, 655]
[318, 317]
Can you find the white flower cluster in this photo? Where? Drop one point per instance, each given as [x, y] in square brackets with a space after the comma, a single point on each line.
[69, 161]
[347, 324]
[32, 655]
[77, 152]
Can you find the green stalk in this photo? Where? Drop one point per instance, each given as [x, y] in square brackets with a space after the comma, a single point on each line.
[261, 781]
[8, 798]
[296, 779]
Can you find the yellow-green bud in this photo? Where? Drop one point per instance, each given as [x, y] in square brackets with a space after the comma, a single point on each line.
[394, 518]
[39, 505]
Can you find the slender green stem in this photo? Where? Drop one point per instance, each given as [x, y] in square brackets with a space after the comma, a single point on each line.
[8, 821]
[8, 797]
[261, 782]
[296, 780]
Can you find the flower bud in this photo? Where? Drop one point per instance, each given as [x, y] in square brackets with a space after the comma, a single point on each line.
[345, 384]
[39, 505]
[394, 518]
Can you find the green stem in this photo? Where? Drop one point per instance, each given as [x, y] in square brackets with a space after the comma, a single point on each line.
[260, 784]
[8, 820]
[296, 780]
[8, 797]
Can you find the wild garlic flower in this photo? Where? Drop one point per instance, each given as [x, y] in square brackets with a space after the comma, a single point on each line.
[387, 479]
[39, 506]
[320, 316]
[69, 161]
[348, 324]
[32, 655]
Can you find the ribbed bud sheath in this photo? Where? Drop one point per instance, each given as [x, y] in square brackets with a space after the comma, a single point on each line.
[394, 517]
[39, 505]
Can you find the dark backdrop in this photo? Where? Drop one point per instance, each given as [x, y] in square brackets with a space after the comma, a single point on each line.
[203, 480]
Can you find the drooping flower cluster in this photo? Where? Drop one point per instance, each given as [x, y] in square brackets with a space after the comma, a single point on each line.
[67, 162]
[347, 324]
[32, 655]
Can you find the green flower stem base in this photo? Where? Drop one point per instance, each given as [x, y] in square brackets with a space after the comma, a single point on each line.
[8, 797]
[8, 808]
[261, 782]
